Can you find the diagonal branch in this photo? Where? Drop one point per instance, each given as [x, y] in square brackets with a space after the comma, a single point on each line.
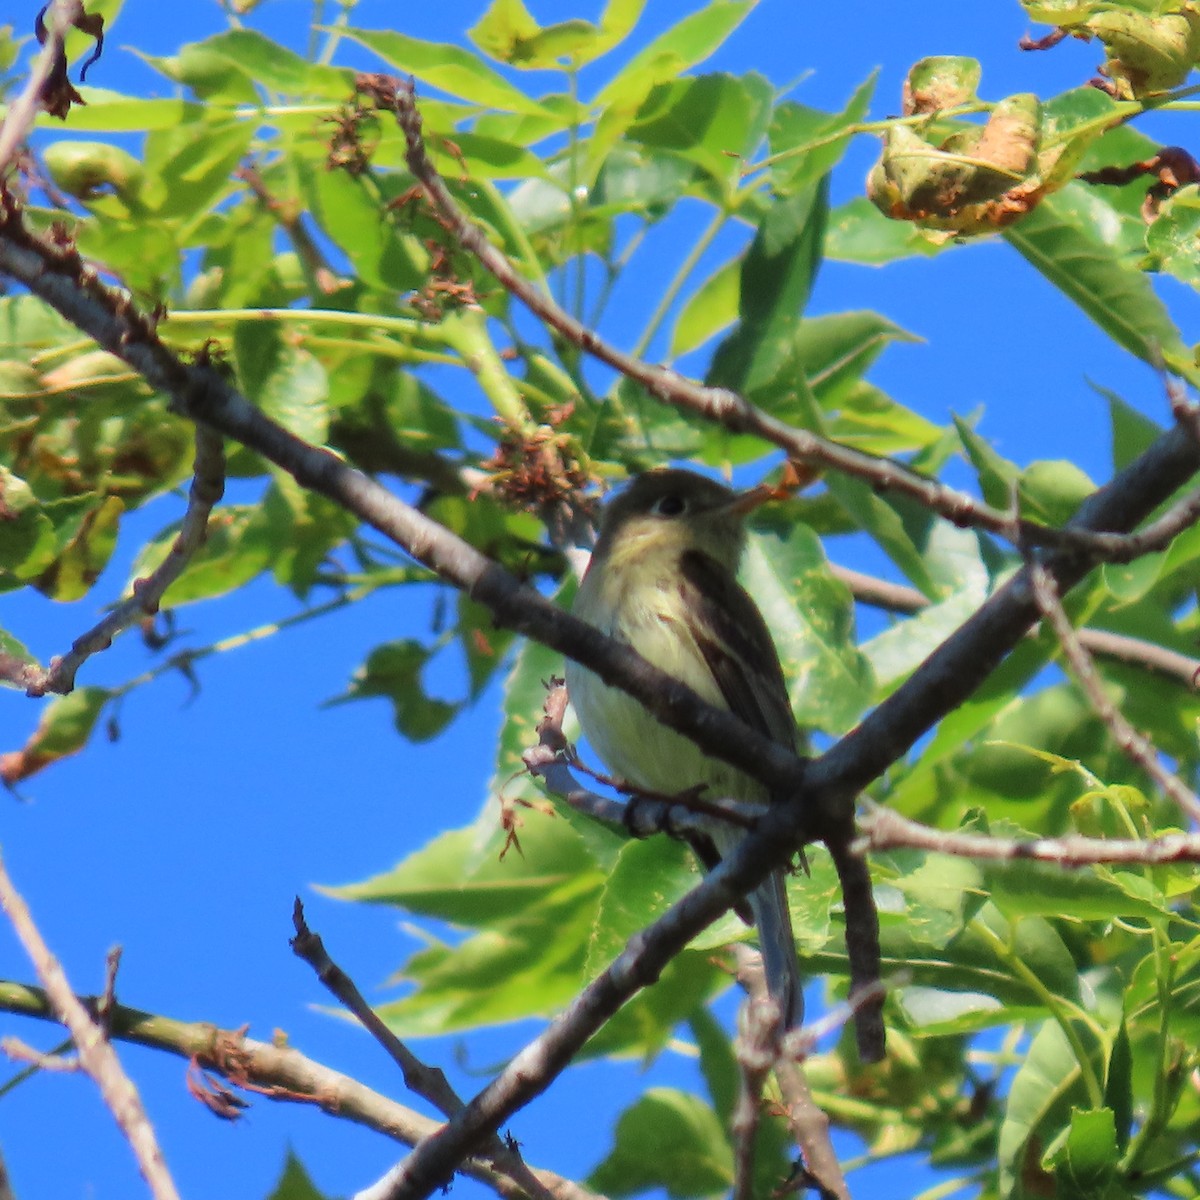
[208, 485]
[96, 1055]
[737, 414]
[279, 1072]
[428, 1082]
[1136, 747]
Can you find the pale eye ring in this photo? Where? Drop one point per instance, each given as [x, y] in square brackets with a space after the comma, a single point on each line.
[670, 505]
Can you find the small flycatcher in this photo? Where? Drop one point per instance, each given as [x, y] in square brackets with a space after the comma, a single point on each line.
[663, 579]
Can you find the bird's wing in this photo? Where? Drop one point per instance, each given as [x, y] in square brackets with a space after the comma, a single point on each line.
[733, 638]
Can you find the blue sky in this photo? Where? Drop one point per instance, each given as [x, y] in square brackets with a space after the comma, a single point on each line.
[186, 839]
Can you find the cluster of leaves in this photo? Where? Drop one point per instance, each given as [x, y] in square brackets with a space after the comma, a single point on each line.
[272, 213]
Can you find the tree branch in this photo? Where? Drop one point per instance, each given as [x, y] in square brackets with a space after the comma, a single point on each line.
[883, 829]
[428, 1082]
[96, 1054]
[208, 486]
[279, 1073]
[1136, 747]
[737, 414]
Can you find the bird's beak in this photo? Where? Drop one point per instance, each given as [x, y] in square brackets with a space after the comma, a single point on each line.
[752, 498]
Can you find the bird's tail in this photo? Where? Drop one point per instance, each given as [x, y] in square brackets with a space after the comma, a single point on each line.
[778, 947]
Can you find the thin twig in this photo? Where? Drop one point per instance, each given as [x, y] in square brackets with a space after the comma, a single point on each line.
[6, 1192]
[208, 485]
[1136, 746]
[23, 112]
[96, 1055]
[428, 1082]
[884, 829]
[19, 1051]
[307, 250]
[279, 1072]
[809, 1124]
[756, 1048]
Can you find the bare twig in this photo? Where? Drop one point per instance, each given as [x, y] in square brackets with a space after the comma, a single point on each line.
[1138, 748]
[884, 829]
[96, 1055]
[280, 1073]
[810, 1125]
[6, 1192]
[429, 1082]
[22, 114]
[756, 1047]
[53, 1060]
[208, 484]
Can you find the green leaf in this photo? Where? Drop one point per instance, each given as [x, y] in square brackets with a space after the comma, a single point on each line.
[811, 618]
[113, 112]
[1053, 491]
[273, 66]
[647, 878]
[900, 649]
[1087, 1161]
[530, 966]
[807, 143]
[93, 539]
[718, 1063]
[349, 210]
[859, 233]
[1118, 1086]
[636, 179]
[28, 540]
[834, 351]
[670, 54]
[241, 541]
[64, 729]
[776, 280]
[878, 516]
[713, 306]
[1132, 431]
[509, 33]
[393, 671]
[646, 1025]
[1087, 894]
[448, 68]
[188, 168]
[461, 877]
[997, 476]
[1042, 1088]
[668, 1139]
[294, 1183]
[1062, 239]
[714, 121]
[1173, 239]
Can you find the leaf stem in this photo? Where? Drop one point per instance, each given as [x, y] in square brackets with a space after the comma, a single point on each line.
[1057, 1007]
[673, 289]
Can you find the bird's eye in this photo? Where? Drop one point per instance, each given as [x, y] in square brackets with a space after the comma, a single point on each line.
[669, 505]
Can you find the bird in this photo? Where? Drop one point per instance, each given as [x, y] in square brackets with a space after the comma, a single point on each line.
[663, 579]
